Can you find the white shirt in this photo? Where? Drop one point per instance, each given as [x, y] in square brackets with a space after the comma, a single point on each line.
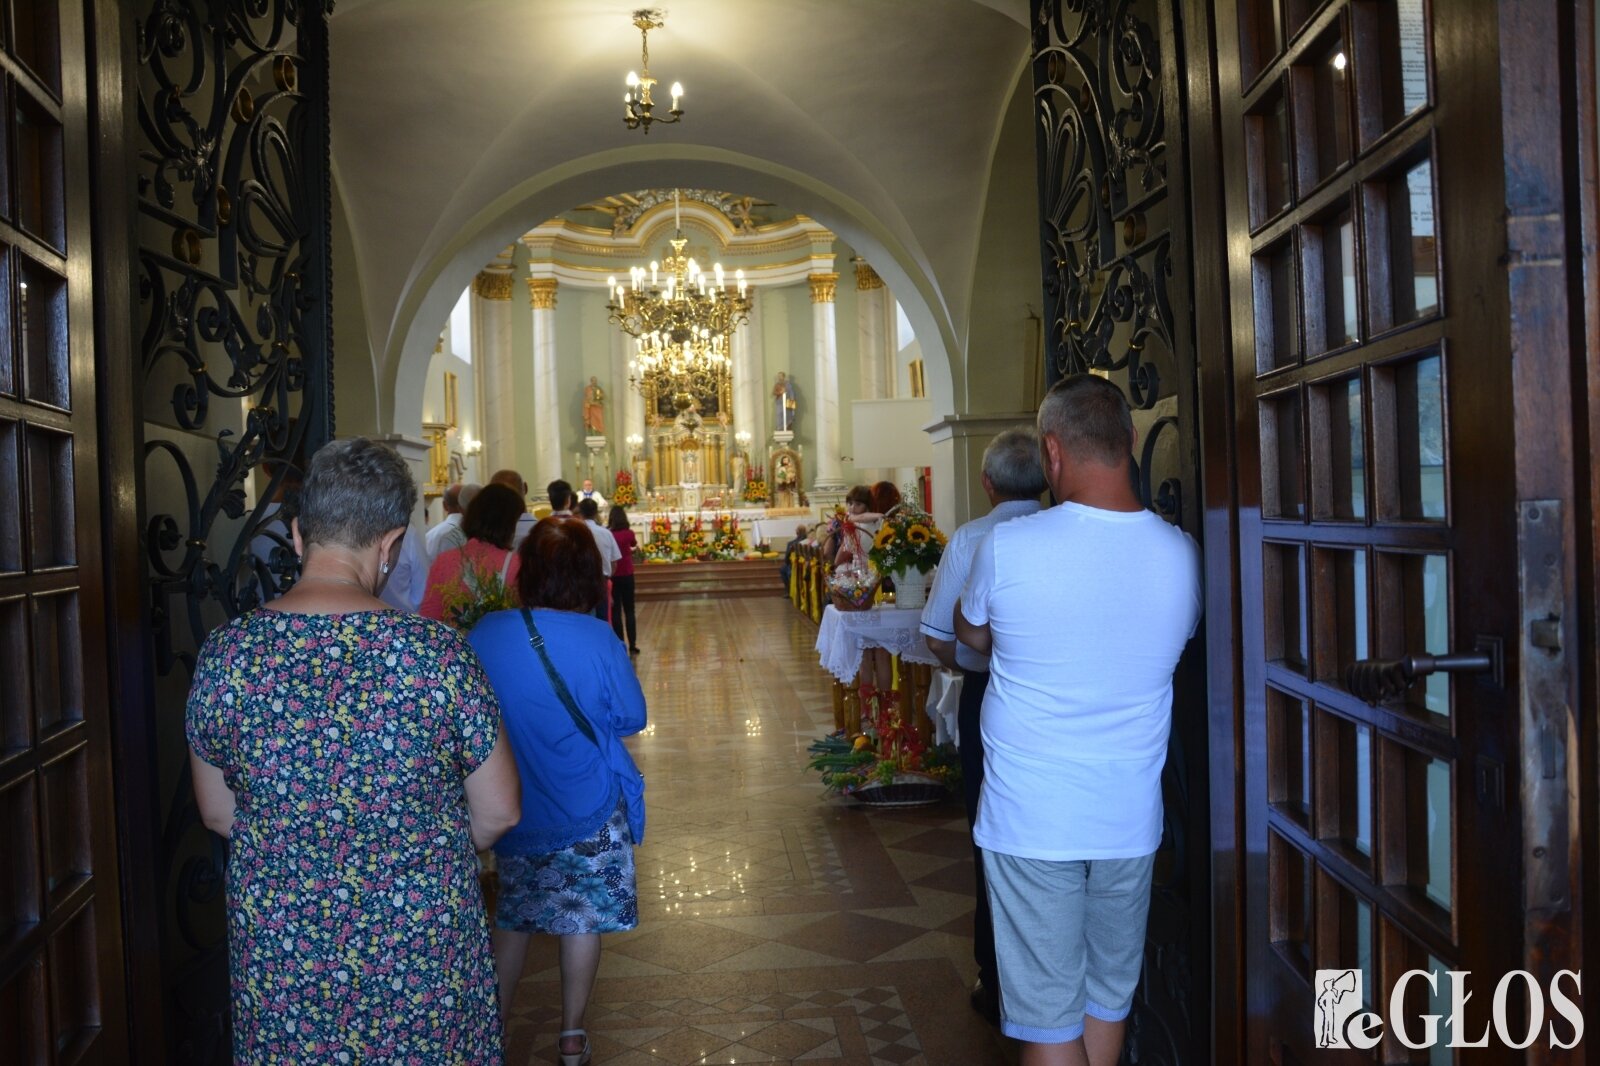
[938, 615]
[444, 536]
[1089, 610]
[525, 524]
[409, 578]
[610, 554]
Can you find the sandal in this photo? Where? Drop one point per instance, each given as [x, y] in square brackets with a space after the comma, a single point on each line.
[574, 1058]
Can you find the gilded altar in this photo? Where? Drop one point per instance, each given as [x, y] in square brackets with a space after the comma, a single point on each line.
[687, 447]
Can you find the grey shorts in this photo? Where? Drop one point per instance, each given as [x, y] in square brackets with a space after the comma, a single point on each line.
[1069, 940]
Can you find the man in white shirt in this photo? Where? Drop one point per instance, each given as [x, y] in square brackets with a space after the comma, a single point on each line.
[1084, 609]
[447, 534]
[1013, 481]
[588, 492]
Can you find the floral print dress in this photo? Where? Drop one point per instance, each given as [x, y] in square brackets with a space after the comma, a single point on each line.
[356, 927]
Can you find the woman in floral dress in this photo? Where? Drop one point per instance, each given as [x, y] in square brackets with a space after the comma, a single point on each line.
[353, 756]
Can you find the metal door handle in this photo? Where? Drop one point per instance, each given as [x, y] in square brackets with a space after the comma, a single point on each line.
[1378, 680]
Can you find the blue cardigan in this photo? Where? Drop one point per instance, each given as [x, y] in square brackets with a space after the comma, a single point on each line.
[569, 786]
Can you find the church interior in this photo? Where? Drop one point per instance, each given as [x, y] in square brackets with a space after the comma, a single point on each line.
[1339, 256]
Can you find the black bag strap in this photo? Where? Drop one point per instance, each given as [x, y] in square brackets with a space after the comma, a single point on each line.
[536, 641]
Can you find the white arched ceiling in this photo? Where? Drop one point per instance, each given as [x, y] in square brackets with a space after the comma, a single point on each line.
[456, 127]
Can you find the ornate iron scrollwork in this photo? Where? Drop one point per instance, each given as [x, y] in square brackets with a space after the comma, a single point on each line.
[1114, 249]
[234, 198]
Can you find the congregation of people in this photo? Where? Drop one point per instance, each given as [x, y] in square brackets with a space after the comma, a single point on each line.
[415, 704]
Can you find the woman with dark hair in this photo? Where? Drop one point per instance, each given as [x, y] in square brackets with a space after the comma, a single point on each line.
[354, 758]
[885, 497]
[622, 578]
[463, 575]
[568, 695]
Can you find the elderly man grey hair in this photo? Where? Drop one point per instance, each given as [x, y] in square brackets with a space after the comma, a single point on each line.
[1011, 469]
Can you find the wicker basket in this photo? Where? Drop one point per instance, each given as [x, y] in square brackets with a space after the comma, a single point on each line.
[907, 790]
[860, 600]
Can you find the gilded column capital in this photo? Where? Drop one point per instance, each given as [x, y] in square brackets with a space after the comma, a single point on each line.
[823, 287]
[542, 293]
[492, 284]
[867, 279]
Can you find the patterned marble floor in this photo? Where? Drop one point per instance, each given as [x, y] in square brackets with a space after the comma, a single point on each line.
[777, 925]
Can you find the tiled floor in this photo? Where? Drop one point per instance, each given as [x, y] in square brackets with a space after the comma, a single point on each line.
[777, 925]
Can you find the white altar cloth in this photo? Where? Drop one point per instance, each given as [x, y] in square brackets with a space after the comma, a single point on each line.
[753, 523]
[845, 635]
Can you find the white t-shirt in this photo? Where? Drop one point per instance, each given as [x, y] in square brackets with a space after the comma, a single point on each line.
[444, 536]
[938, 615]
[1090, 610]
[610, 554]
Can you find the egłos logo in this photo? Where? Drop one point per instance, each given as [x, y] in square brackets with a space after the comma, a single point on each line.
[1524, 1011]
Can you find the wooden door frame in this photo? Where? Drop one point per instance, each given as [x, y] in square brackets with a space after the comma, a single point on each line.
[115, 102]
[1551, 298]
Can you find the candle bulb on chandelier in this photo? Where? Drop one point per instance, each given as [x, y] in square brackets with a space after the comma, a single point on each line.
[739, 277]
[677, 92]
[654, 266]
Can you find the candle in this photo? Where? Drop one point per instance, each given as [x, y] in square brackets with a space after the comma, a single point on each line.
[677, 211]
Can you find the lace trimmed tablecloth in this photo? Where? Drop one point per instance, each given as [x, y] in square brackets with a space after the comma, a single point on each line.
[845, 635]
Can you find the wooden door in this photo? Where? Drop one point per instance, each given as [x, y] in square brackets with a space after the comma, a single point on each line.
[1395, 493]
[60, 947]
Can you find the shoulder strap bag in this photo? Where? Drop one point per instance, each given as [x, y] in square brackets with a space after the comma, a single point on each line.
[536, 641]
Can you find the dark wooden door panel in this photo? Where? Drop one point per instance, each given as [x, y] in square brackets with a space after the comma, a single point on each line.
[1373, 445]
[61, 977]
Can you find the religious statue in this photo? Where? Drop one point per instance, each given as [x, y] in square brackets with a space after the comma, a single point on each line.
[741, 215]
[594, 411]
[784, 407]
[736, 475]
[689, 463]
[784, 476]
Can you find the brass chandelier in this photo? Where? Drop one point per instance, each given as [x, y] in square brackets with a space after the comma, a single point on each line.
[637, 106]
[681, 319]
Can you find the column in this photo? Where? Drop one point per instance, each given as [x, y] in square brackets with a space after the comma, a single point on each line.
[877, 359]
[747, 387]
[828, 472]
[491, 326]
[546, 413]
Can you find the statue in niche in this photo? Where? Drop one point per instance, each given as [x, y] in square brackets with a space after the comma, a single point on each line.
[689, 462]
[784, 407]
[741, 214]
[736, 471]
[594, 410]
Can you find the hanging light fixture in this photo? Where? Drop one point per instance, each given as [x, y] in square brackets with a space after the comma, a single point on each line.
[636, 103]
[681, 318]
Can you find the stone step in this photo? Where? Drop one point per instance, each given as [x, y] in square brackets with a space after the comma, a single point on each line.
[719, 580]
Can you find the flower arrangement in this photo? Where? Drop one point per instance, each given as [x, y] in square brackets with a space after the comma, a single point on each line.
[755, 485]
[660, 529]
[728, 541]
[908, 540]
[694, 544]
[850, 765]
[480, 592]
[624, 494]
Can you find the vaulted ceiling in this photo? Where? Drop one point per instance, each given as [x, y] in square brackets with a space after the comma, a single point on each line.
[458, 125]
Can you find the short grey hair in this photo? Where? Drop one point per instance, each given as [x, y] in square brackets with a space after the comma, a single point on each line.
[355, 491]
[1089, 416]
[468, 491]
[1011, 463]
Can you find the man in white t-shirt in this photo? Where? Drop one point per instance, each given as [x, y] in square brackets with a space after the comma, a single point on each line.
[447, 533]
[1084, 610]
[1013, 481]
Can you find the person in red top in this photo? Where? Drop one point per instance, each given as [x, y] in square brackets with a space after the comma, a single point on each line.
[622, 578]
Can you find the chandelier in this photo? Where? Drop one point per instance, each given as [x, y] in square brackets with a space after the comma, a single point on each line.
[636, 103]
[681, 319]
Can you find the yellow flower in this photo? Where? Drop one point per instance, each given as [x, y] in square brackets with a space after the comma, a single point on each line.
[918, 534]
[884, 538]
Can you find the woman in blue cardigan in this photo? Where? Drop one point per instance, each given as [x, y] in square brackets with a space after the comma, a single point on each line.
[568, 694]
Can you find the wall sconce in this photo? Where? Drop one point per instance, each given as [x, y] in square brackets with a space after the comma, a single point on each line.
[470, 446]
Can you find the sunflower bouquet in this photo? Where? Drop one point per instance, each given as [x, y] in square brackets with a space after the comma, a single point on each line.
[624, 494]
[755, 485]
[660, 529]
[908, 540]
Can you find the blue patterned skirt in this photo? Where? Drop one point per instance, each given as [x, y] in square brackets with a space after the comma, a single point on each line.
[587, 887]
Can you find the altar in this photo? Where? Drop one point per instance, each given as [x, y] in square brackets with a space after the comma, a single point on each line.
[756, 523]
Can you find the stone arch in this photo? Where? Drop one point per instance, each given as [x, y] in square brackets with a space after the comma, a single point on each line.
[437, 282]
